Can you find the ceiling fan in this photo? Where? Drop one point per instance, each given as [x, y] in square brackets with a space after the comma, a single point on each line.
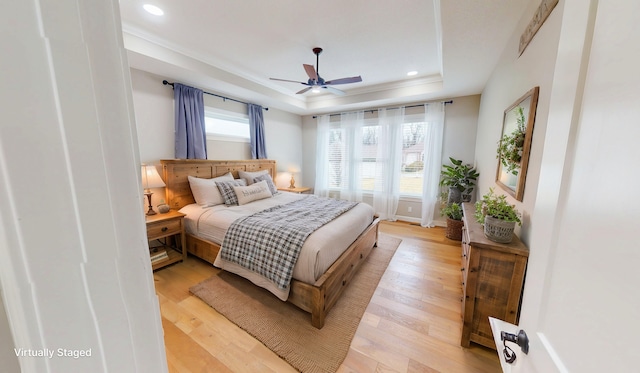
[315, 81]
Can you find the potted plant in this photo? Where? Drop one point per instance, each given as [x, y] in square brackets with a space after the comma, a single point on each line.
[453, 212]
[460, 178]
[498, 216]
[511, 145]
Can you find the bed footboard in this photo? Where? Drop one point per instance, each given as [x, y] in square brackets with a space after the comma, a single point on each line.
[320, 297]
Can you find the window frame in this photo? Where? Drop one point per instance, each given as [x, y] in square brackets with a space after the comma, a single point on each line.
[229, 116]
[372, 122]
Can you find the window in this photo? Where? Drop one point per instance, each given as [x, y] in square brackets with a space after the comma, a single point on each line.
[226, 126]
[355, 161]
[411, 177]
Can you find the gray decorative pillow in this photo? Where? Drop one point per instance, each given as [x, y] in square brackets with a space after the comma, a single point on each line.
[227, 192]
[248, 176]
[269, 181]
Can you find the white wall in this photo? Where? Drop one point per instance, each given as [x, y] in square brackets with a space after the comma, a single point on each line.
[513, 77]
[579, 305]
[460, 127]
[75, 271]
[459, 142]
[154, 111]
[153, 107]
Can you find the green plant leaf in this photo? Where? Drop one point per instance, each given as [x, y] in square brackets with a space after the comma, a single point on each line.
[496, 206]
[459, 176]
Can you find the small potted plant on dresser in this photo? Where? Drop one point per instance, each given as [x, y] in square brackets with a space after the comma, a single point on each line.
[498, 217]
[453, 212]
[460, 178]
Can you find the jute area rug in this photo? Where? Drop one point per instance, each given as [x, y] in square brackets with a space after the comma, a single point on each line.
[287, 330]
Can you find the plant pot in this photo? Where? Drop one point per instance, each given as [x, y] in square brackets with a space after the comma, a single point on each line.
[455, 196]
[498, 230]
[454, 229]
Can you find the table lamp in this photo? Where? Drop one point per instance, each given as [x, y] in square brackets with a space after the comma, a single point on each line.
[293, 170]
[151, 179]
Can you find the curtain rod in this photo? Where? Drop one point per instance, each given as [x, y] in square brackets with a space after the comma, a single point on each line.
[213, 94]
[393, 108]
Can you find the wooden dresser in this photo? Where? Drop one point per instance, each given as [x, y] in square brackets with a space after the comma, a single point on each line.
[492, 280]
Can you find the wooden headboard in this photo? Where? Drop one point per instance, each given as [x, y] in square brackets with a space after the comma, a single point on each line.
[175, 172]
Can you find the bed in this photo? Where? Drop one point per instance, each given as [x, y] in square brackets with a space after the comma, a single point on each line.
[316, 297]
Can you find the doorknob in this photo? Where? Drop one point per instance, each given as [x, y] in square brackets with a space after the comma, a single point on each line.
[521, 340]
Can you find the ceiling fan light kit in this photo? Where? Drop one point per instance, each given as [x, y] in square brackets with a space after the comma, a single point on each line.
[316, 82]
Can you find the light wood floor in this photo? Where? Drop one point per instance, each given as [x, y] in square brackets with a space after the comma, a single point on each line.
[412, 323]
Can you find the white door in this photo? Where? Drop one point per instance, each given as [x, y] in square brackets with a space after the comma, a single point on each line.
[581, 306]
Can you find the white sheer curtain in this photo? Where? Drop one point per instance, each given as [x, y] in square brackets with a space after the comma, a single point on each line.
[386, 191]
[339, 156]
[322, 157]
[348, 156]
[351, 125]
[434, 128]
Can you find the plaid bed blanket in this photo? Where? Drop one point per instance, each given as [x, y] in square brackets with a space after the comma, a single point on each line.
[269, 242]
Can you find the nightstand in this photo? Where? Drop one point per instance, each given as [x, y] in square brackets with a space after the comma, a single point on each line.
[167, 241]
[306, 190]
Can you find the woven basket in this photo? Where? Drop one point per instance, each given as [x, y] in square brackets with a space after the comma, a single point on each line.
[498, 230]
[454, 229]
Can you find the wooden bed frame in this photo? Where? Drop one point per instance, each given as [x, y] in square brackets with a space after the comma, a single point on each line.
[317, 298]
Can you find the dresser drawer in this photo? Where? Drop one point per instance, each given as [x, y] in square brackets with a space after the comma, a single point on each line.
[465, 242]
[464, 263]
[164, 228]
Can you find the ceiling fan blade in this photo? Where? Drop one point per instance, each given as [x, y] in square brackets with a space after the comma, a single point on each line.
[353, 79]
[303, 91]
[334, 90]
[315, 81]
[311, 71]
[290, 81]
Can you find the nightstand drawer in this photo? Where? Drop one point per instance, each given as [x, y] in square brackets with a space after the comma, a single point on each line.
[173, 248]
[164, 228]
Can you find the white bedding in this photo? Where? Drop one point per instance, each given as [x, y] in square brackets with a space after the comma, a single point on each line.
[320, 251]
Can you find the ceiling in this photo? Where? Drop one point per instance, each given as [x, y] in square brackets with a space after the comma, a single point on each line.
[233, 47]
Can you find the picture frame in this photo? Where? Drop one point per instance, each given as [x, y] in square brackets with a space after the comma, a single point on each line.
[514, 146]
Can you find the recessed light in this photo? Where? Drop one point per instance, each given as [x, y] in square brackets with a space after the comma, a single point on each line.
[412, 73]
[153, 9]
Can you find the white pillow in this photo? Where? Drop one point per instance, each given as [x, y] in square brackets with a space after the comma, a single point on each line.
[248, 176]
[251, 193]
[205, 191]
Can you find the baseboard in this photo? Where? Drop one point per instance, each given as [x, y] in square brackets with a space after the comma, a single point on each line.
[409, 219]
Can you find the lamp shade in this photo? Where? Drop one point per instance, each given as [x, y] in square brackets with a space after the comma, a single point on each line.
[282, 179]
[151, 178]
[293, 168]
